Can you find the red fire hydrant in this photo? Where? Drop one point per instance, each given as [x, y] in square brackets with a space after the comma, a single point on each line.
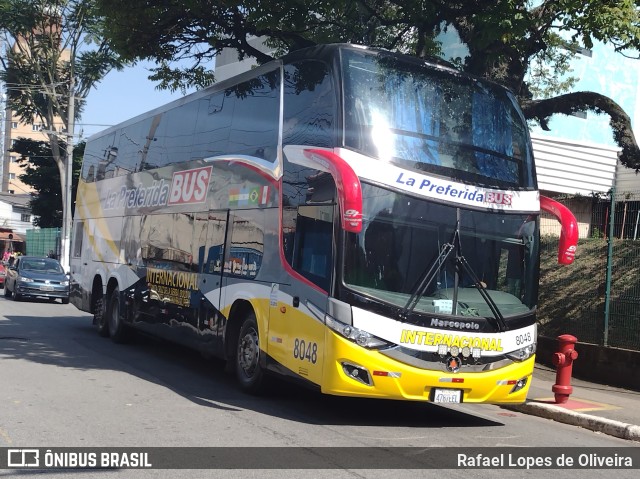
[563, 361]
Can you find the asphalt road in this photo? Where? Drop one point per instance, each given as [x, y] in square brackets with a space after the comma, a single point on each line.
[61, 385]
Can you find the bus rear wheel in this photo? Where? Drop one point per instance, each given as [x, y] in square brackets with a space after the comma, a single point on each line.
[249, 372]
[100, 317]
[117, 328]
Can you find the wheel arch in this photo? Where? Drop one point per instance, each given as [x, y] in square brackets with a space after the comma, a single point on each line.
[112, 285]
[239, 310]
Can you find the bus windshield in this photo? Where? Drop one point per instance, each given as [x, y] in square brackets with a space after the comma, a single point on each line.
[428, 119]
[412, 247]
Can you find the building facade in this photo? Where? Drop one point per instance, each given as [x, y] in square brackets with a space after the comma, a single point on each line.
[15, 213]
[15, 127]
[11, 169]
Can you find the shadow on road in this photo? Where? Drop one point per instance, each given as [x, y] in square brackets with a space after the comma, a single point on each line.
[66, 339]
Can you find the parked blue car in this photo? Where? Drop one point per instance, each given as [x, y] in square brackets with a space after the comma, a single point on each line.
[33, 276]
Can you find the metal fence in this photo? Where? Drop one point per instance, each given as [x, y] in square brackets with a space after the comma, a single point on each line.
[597, 298]
[43, 241]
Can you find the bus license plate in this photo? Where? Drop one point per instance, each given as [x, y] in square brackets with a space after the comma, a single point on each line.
[447, 395]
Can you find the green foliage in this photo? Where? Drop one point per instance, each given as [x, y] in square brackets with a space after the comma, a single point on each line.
[502, 36]
[178, 33]
[55, 53]
[42, 174]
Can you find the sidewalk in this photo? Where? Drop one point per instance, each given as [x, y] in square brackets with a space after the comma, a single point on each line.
[601, 408]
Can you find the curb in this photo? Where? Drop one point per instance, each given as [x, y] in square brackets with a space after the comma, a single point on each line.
[599, 424]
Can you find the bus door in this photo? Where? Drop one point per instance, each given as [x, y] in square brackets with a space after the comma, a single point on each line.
[296, 324]
[209, 241]
[81, 274]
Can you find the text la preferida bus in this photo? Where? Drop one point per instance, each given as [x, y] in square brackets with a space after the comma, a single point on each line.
[364, 222]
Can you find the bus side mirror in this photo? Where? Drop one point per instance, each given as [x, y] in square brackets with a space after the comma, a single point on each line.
[347, 184]
[568, 229]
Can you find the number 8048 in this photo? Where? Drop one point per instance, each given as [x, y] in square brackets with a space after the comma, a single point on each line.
[305, 351]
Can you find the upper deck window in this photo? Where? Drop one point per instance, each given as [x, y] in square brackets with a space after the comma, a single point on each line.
[435, 120]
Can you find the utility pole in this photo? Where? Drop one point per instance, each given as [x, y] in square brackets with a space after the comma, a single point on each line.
[3, 130]
[4, 125]
[67, 217]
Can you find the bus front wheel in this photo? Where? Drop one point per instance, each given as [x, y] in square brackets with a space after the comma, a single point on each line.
[249, 372]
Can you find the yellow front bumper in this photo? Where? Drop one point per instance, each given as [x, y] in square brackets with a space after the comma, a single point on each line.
[412, 383]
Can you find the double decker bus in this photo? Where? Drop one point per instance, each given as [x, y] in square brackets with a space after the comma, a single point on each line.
[364, 222]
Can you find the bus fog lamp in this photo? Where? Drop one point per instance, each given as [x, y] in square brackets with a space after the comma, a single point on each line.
[358, 373]
[442, 349]
[455, 350]
[521, 383]
[466, 352]
[476, 353]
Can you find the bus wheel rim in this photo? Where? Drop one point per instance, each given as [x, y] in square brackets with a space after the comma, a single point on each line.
[248, 352]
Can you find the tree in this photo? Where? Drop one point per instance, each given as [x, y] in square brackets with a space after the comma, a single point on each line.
[57, 55]
[504, 39]
[42, 174]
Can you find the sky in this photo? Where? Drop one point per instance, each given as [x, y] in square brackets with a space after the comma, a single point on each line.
[120, 96]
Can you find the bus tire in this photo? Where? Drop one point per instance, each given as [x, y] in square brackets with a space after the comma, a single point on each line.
[100, 317]
[117, 328]
[249, 372]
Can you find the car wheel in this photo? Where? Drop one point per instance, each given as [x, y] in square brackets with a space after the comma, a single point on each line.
[249, 372]
[65, 300]
[17, 297]
[117, 329]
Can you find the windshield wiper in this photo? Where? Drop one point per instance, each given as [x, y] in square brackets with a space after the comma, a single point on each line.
[426, 278]
[500, 322]
[430, 273]
[460, 261]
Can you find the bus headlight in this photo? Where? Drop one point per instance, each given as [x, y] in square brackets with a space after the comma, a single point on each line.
[522, 354]
[358, 336]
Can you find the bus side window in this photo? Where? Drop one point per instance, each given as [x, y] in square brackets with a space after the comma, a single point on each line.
[254, 125]
[313, 244]
[308, 198]
[77, 239]
[309, 105]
